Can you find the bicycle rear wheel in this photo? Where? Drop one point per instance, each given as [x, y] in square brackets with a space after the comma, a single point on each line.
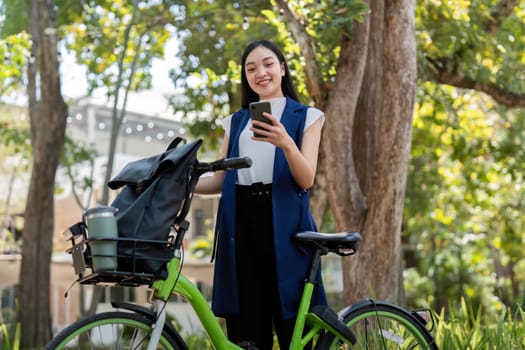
[379, 325]
[110, 330]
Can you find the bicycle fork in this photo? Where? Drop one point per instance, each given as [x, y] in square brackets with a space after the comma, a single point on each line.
[158, 326]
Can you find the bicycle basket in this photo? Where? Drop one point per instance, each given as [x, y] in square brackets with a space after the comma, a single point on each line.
[124, 274]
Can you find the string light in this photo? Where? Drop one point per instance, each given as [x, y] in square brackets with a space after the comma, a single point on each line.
[245, 23]
[150, 131]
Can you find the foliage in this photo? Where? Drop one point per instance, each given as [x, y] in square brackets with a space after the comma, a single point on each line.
[75, 160]
[456, 267]
[464, 197]
[13, 9]
[98, 32]
[14, 52]
[15, 147]
[212, 36]
[193, 340]
[468, 327]
[15, 152]
[10, 342]
[198, 341]
[15, 156]
[464, 194]
[212, 44]
[14, 132]
[117, 42]
[201, 247]
[483, 42]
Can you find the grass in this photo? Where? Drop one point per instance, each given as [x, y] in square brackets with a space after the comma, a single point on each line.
[463, 327]
[6, 341]
[468, 328]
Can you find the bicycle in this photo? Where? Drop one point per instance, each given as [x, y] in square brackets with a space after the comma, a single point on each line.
[368, 324]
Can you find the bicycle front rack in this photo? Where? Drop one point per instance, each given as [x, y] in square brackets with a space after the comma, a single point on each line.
[131, 257]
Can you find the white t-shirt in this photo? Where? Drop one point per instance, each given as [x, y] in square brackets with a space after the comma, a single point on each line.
[262, 153]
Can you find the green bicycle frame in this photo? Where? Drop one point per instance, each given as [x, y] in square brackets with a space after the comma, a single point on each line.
[180, 284]
[314, 324]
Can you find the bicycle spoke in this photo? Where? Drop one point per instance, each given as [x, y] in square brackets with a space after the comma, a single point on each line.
[380, 332]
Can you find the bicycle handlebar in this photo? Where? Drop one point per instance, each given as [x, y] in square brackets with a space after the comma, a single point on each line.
[224, 164]
[198, 169]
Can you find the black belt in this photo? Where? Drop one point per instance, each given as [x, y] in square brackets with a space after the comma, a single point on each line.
[255, 189]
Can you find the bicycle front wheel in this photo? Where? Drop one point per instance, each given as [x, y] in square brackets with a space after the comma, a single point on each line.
[110, 330]
[379, 325]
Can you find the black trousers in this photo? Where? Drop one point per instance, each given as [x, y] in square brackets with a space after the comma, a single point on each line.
[259, 302]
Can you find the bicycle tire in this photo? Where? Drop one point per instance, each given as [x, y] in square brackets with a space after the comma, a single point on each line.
[380, 325]
[111, 330]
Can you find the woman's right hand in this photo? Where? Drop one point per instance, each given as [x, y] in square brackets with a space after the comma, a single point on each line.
[212, 183]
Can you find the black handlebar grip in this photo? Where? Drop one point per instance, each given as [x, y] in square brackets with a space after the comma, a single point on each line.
[223, 164]
[235, 163]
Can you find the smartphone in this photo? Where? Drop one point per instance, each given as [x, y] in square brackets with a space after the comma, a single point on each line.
[256, 112]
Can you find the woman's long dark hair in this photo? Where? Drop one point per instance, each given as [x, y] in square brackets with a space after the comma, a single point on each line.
[287, 86]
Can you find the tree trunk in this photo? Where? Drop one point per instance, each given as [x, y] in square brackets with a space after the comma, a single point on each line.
[47, 112]
[318, 195]
[377, 269]
[345, 194]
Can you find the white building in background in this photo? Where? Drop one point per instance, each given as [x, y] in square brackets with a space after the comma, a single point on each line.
[141, 134]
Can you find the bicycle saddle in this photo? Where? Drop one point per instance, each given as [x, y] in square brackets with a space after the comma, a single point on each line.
[340, 243]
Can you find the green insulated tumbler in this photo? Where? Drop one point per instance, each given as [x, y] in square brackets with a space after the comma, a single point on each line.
[102, 227]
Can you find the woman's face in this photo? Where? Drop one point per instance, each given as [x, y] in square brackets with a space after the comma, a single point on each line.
[264, 73]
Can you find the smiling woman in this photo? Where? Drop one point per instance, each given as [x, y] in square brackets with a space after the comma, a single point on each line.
[263, 206]
[264, 73]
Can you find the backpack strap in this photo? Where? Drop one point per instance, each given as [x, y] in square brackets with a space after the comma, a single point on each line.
[191, 183]
[175, 142]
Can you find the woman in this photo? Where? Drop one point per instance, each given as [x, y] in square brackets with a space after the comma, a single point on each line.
[259, 269]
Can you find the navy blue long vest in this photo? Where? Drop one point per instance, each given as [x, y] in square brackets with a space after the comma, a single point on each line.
[290, 215]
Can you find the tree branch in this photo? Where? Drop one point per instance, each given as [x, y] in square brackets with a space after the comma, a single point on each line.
[314, 79]
[502, 96]
[502, 10]
[444, 70]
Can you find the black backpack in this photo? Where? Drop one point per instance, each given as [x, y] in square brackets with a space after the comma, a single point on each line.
[154, 198]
